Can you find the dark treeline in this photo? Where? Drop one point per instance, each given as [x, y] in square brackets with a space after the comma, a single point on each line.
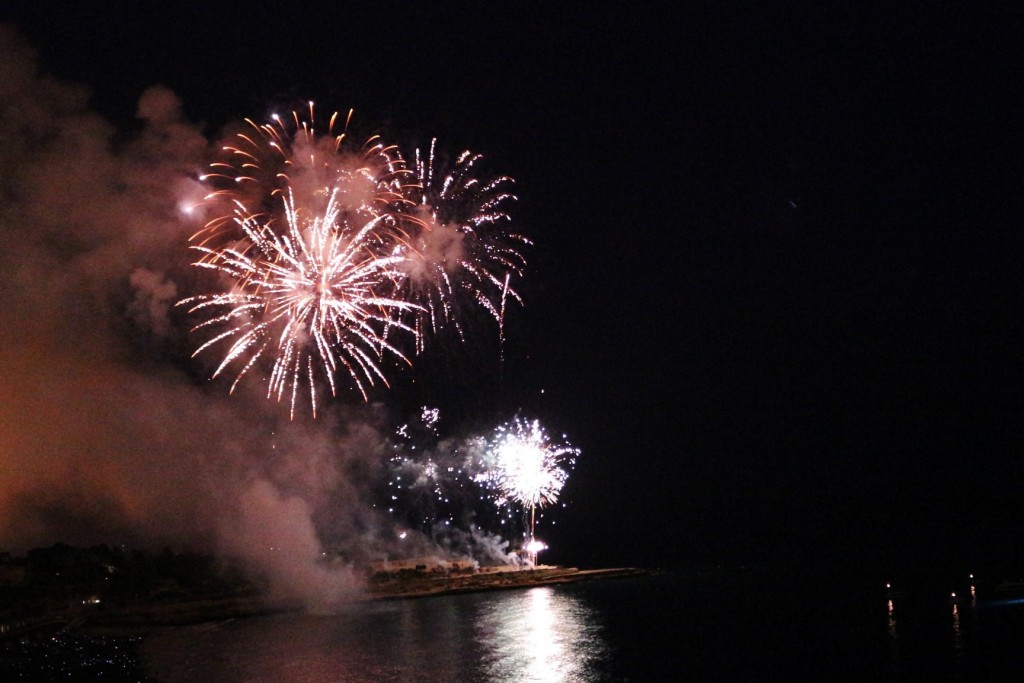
[63, 576]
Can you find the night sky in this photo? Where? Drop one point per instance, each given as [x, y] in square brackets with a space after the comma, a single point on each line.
[775, 289]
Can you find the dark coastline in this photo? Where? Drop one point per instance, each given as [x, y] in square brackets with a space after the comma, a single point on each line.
[498, 580]
[141, 618]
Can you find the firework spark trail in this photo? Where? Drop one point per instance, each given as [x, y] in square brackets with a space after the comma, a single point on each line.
[388, 253]
[462, 247]
[430, 482]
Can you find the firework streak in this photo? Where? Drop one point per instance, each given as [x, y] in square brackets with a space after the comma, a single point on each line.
[527, 467]
[335, 259]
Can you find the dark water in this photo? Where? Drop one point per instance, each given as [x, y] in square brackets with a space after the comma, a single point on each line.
[725, 625]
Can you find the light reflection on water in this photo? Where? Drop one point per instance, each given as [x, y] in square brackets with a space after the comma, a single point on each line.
[539, 635]
[723, 627]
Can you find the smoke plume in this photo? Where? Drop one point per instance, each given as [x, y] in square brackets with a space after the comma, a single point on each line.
[109, 431]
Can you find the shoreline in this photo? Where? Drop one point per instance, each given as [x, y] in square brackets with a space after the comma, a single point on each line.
[142, 619]
[501, 580]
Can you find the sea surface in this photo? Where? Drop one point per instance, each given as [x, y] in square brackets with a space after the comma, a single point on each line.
[730, 624]
[722, 624]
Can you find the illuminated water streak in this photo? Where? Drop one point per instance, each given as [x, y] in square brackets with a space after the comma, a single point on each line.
[541, 635]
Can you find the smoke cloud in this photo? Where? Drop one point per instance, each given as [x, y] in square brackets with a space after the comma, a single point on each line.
[109, 431]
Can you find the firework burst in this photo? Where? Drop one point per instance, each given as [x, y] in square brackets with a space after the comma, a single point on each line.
[528, 468]
[462, 249]
[454, 488]
[316, 297]
[264, 163]
[332, 255]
